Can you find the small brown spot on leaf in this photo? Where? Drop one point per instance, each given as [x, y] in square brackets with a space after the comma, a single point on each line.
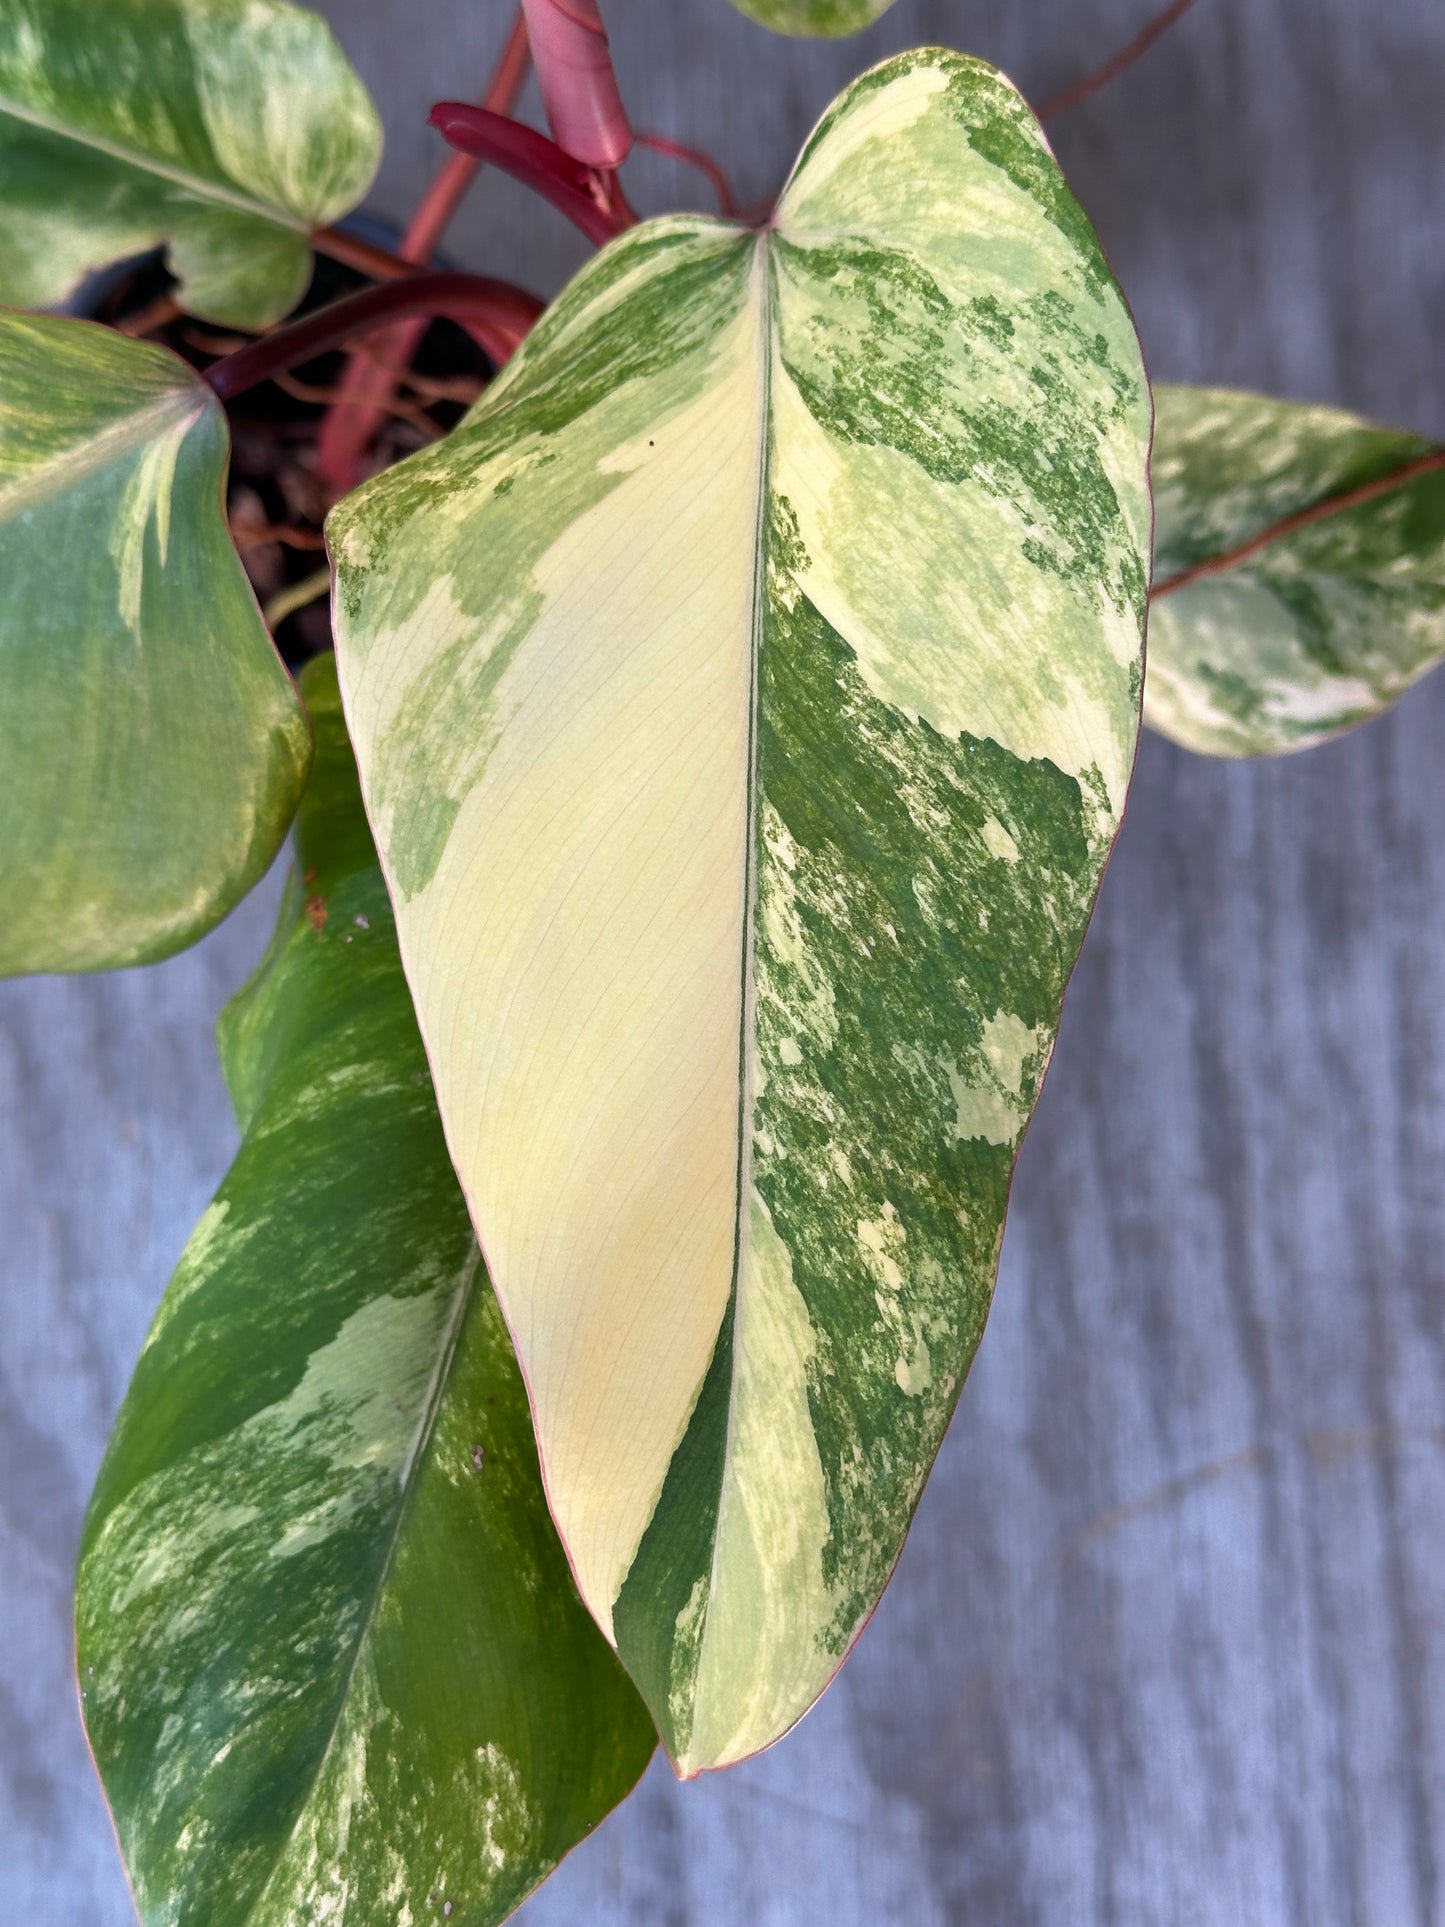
[316, 911]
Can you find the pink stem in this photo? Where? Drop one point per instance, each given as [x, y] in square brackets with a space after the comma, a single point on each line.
[591, 199]
[366, 388]
[694, 157]
[1139, 46]
[499, 315]
[579, 88]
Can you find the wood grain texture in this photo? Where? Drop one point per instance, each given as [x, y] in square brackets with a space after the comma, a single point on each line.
[1167, 1644]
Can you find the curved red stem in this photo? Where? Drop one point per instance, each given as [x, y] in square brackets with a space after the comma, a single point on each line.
[1091, 83]
[694, 157]
[347, 430]
[498, 313]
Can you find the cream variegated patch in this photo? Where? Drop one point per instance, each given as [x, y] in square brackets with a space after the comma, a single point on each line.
[580, 832]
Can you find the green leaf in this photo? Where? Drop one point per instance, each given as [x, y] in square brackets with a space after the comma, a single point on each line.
[827, 18]
[334, 1667]
[745, 697]
[1315, 631]
[153, 745]
[230, 128]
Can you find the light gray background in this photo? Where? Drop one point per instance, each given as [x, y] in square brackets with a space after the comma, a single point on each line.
[1167, 1644]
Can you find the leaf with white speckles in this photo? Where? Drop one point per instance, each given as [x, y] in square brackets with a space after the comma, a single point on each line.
[152, 744]
[814, 18]
[334, 1666]
[229, 128]
[1316, 631]
[745, 696]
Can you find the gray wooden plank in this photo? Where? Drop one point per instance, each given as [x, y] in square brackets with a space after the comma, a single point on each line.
[1167, 1644]
[114, 1132]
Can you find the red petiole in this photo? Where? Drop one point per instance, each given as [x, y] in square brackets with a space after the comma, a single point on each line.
[693, 157]
[1119, 63]
[590, 198]
[366, 388]
[498, 314]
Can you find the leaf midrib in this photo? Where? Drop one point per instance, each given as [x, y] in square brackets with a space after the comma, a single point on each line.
[762, 271]
[71, 464]
[426, 1425]
[195, 184]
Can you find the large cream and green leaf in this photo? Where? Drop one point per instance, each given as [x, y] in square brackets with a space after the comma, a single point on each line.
[333, 1664]
[745, 697]
[1316, 631]
[152, 745]
[229, 128]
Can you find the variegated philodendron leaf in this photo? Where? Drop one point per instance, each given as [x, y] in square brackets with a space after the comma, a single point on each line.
[814, 17]
[229, 128]
[745, 697]
[152, 746]
[1317, 630]
[333, 1666]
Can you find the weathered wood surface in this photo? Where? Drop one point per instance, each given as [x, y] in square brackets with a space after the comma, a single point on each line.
[1167, 1644]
